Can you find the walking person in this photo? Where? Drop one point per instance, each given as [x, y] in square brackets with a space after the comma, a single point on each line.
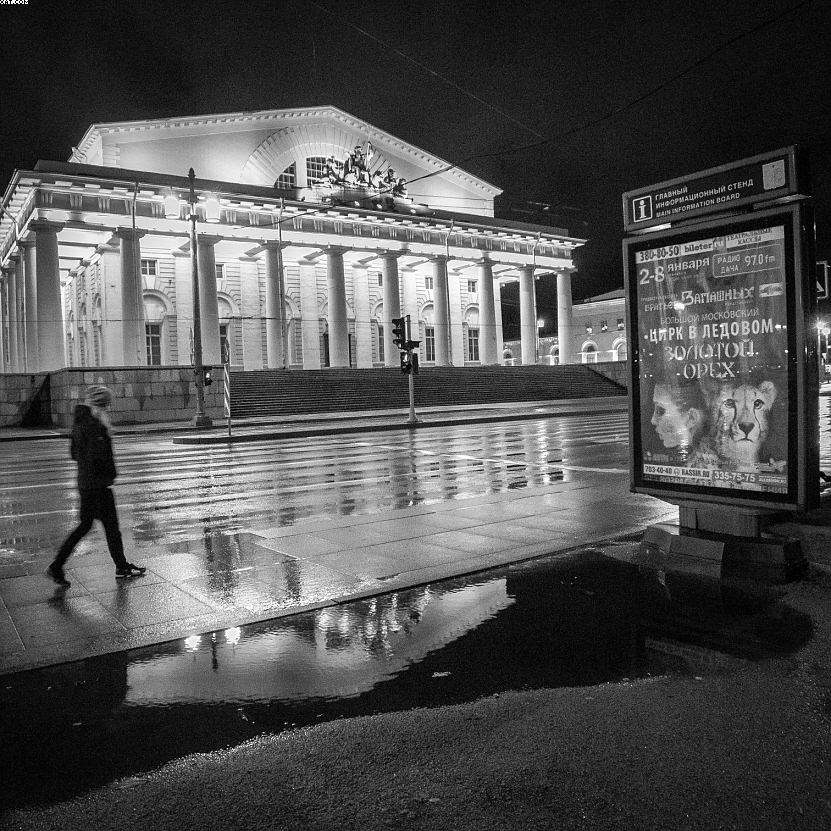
[91, 447]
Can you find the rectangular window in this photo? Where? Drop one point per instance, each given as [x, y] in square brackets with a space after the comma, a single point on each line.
[149, 272]
[220, 271]
[471, 286]
[380, 279]
[604, 326]
[620, 324]
[429, 343]
[381, 342]
[153, 339]
[428, 283]
[473, 344]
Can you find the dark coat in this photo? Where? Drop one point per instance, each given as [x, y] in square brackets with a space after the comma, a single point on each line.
[92, 448]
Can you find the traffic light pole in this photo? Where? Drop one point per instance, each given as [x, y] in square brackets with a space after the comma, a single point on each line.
[409, 362]
[413, 419]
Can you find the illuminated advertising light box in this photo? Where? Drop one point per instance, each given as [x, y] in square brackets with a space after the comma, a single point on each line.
[723, 404]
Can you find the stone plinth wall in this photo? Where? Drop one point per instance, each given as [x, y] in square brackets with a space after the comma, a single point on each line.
[19, 399]
[141, 395]
[617, 371]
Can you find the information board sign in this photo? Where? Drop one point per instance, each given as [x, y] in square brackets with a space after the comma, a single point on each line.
[719, 406]
[760, 178]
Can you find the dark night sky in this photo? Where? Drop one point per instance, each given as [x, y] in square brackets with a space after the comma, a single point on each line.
[615, 95]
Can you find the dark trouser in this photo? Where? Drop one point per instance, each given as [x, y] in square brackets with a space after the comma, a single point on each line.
[98, 503]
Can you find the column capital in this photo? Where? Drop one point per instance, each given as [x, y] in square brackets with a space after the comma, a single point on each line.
[208, 239]
[40, 226]
[332, 250]
[129, 233]
[390, 255]
[438, 258]
[273, 245]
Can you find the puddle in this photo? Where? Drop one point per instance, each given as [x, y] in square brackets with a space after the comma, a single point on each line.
[578, 619]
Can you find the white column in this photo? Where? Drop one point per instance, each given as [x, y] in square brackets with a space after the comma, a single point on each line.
[309, 315]
[338, 324]
[454, 314]
[254, 328]
[500, 337]
[440, 304]
[134, 344]
[488, 354]
[363, 322]
[112, 308]
[184, 306]
[565, 327]
[409, 306]
[527, 315]
[392, 305]
[28, 307]
[4, 320]
[13, 315]
[275, 308]
[208, 306]
[49, 308]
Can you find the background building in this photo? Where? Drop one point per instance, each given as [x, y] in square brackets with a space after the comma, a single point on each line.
[308, 246]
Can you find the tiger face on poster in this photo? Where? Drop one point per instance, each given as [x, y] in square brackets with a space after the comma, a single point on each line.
[713, 341]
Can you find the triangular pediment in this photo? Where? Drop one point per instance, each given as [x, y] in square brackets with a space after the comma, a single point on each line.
[257, 147]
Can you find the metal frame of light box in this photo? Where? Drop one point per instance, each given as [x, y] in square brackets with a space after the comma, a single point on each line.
[803, 478]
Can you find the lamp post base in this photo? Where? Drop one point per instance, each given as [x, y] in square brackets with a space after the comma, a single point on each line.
[201, 420]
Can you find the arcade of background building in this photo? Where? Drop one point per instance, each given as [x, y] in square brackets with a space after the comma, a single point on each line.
[315, 230]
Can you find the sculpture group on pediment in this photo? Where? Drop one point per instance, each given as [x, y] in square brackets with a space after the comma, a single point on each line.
[354, 171]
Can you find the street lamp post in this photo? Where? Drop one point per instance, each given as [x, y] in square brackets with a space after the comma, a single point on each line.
[201, 419]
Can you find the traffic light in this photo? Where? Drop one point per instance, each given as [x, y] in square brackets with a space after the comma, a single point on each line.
[406, 367]
[208, 375]
[414, 363]
[398, 332]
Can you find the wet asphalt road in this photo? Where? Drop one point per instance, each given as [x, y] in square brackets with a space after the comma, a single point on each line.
[167, 493]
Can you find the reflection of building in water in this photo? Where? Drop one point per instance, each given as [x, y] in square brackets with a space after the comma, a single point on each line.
[334, 652]
[315, 230]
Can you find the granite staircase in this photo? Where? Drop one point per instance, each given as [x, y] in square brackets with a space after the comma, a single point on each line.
[270, 392]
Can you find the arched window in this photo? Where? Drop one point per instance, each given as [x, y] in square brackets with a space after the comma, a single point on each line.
[315, 169]
[155, 331]
[619, 352]
[226, 328]
[287, 180]
[428, 342]
[589, 352]
[472, 335]
[554, 355]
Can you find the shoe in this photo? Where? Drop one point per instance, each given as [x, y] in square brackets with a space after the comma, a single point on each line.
[55, 573]
[130, 571]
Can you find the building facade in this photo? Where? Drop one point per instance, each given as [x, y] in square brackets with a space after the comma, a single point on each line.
[314, 229]
[598, 334]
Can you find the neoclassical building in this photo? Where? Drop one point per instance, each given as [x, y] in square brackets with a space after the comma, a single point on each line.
[314, 230]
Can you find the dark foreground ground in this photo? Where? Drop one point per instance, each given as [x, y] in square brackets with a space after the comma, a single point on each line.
[743, 749]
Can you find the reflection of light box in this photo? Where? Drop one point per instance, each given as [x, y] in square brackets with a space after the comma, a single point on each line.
[719, 322]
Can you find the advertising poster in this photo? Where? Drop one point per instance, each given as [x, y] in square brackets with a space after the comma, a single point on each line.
[711, 317]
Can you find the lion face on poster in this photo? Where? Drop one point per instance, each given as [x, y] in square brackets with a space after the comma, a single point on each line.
[741, 421]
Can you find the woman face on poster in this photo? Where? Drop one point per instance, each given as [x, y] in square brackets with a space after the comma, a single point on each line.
[678, 415]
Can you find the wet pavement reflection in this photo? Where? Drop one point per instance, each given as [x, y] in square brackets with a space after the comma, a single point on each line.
[583, 618]
[169, 492]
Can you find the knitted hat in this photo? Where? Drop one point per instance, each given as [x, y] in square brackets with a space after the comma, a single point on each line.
[98, 396]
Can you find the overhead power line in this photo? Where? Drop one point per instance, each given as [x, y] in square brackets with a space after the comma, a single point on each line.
[543, 141]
